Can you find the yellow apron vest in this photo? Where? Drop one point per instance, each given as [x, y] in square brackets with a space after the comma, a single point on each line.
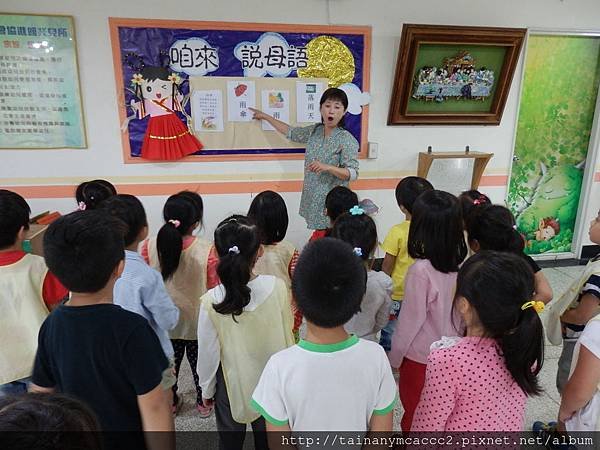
[22, 312]
[186, 286]
[276, 261]
[247, 345]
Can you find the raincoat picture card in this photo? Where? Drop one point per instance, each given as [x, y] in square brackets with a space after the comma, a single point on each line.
[207, 110]
[241, 95]
[276, 103]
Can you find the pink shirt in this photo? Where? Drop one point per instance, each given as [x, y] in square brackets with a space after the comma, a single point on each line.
[468, 388]
[426, 312]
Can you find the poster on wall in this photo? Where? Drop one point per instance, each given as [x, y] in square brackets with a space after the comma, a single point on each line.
[157, 80]
[552, 139]
[40, 99]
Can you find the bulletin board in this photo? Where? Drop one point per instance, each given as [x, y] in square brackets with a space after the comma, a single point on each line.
[198, 51]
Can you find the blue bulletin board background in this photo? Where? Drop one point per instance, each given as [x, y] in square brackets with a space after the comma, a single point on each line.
[155, 42]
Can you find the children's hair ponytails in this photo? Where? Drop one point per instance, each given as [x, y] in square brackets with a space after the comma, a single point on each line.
[237, 242]
[181, 212]
[499, 287]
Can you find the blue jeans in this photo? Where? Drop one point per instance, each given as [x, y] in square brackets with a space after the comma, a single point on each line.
[14, 387]
[386, 333]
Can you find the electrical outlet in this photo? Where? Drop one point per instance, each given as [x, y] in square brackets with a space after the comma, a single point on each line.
[373, 151]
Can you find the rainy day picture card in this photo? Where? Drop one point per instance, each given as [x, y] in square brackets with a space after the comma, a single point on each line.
[188, 95]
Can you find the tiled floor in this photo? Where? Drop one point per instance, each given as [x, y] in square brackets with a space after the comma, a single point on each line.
[543, 407]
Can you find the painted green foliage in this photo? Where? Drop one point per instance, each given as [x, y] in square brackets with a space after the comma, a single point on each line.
[553, 131]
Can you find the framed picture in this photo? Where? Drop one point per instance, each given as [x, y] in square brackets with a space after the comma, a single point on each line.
[453, 75]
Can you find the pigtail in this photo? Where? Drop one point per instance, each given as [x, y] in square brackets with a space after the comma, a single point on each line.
[169, 244]
[523, 350]
[237, 243]
[181, 213]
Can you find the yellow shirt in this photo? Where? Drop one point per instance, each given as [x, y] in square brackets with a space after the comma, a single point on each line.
[395, 244]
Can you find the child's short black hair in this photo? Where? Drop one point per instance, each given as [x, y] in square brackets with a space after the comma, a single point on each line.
[48, 421]
[408, 189]
[359, 231]
[339, 200]
[130, 210]
[269, 213]
[436, 231]
[83, 249]
[329, 282]
[90, 194]
[14, 215]
[493, 227]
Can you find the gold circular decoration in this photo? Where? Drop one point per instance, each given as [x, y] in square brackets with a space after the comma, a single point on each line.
[328, 57]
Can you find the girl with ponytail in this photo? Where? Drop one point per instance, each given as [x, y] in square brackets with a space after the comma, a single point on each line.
[481, 382]
[492, 227]
[183, 261]
[242, 322]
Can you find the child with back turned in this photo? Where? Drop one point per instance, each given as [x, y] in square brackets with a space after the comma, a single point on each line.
[331, 380]
[27, 292]
[279, 257]
[397, 260]
[481, 382]
[492, 227]
[90, 348]
[183, 260]
[242, 322]
[436, 242]
[359, 230]
[338, 201]
[141, 289]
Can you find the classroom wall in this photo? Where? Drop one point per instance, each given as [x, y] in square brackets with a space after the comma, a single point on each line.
[398, 146]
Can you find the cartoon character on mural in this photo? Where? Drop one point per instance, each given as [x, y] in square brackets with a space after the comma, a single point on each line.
[158, 95]
[547, 229]
[549, 220]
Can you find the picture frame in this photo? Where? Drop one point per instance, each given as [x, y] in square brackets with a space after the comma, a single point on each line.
[453, 75]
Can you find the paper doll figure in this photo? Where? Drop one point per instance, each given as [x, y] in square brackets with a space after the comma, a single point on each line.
[167, 138]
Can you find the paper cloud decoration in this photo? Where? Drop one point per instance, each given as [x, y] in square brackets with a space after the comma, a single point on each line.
[356, 98]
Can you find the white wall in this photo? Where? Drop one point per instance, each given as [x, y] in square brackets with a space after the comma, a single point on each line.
[398, 145]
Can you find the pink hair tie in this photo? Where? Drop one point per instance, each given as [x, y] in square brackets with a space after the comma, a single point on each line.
[175, 222]
[81, 206]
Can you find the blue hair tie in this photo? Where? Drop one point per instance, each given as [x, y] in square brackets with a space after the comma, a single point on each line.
[358, 251]
[356, 211]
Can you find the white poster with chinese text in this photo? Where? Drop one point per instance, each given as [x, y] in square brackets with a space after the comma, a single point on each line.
[207, 110]
[308, 96]
[40, 101]
[241, 95]
[275, 103]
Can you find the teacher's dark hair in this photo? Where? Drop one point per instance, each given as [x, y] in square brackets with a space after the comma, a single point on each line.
[335, 94]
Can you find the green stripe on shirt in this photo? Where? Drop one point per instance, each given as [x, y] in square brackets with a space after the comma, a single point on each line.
[387, 409]
[265, 414]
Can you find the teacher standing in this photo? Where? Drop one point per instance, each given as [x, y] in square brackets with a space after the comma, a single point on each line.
[331, 154]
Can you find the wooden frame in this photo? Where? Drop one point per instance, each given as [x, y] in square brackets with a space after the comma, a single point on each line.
[116, 22]
[413, 36]
[479, 164]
